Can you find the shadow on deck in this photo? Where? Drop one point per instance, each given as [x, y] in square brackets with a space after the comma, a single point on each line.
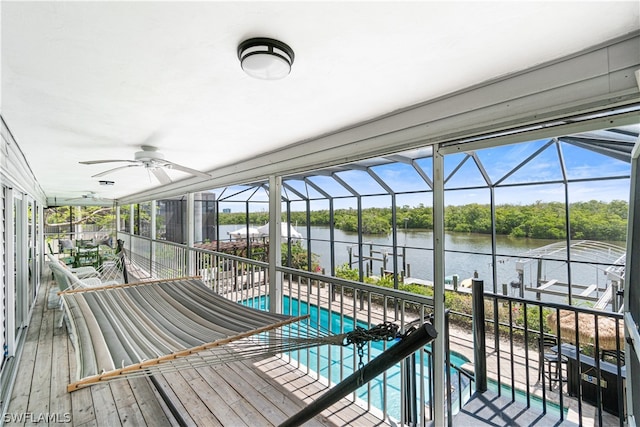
[489, 409]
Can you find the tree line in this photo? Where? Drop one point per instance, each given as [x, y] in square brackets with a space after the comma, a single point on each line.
[592, 220]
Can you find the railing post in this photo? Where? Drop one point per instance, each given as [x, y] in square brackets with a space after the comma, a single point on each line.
[447, 372]
[479, 348]
[410, 391]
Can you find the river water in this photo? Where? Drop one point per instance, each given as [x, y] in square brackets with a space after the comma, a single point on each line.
[467, 254]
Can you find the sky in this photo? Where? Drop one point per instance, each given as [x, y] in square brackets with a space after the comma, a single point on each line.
[536, 165]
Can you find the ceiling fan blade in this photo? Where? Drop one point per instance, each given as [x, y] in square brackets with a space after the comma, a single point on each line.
[94, 162]
[161, 175]
[114, 169]
[186, 169]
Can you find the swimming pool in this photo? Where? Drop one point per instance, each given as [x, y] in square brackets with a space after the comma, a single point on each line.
[335, 362]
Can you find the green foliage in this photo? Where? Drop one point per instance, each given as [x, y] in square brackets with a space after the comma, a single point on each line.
[299, 258]
[255, 218]
[473, 218]
[591, 220]
[347, 273]
[62, 216]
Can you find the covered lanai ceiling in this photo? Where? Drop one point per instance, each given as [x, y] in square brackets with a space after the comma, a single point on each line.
[97, 80]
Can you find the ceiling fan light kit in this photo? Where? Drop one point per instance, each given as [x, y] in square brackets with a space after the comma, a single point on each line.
[148, 154]
[265, 58]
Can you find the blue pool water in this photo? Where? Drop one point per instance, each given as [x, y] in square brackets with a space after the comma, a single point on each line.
[334, 360]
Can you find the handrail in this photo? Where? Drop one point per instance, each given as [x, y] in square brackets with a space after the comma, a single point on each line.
[554, 305]
[392, 293]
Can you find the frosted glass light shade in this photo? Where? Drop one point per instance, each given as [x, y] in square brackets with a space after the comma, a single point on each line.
[266, 59]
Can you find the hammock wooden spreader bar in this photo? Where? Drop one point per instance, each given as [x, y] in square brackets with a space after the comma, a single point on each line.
[125, 285]
[138, 329]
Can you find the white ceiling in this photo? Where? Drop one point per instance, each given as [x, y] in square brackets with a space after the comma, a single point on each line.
[95, 80]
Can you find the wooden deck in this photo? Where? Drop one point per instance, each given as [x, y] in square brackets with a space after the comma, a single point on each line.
[237, 394]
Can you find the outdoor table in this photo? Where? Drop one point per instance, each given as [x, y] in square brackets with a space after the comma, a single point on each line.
[589, 381]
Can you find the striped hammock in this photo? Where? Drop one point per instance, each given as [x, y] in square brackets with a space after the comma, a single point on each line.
[146, 328]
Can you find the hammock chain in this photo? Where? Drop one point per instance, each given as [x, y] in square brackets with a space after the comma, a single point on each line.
[360, 336]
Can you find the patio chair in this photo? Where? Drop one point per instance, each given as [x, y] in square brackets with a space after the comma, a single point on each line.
[87, 256]
[66, 250]
[67, 280]
[548, 355]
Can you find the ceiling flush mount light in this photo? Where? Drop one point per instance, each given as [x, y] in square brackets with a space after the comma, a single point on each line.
[265, 58]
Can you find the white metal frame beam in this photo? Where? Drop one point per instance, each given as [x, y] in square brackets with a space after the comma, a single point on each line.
[631, 292]
[275, 247]
[438, 288]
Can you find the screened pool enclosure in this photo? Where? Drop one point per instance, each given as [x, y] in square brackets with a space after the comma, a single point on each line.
[502, 205]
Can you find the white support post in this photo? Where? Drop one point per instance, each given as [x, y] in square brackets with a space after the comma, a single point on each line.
[191, 267]
[631, 292]
[118, 228]
[131, 219]
[42, 248]
[152, 234]
[438, 288]
[197, 217]
[79, 229]
[275, 248]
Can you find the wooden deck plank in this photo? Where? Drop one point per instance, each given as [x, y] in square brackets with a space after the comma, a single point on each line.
[258, 408]
[226, 395]
[198, 411]
[126, 405]
[208, 395]
[219, 396]
[41, 384]
[104, 406]
[163, 385]
[250, 414]
[60, 399]
[82, 412]
[22, 389]
[302, 386]
[150, 404]
[277, 397]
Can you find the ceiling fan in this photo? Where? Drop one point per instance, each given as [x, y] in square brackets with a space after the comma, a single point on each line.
[91, 196]
[153, 161]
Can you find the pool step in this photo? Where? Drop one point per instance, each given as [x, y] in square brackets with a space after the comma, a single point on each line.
[489, 409]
